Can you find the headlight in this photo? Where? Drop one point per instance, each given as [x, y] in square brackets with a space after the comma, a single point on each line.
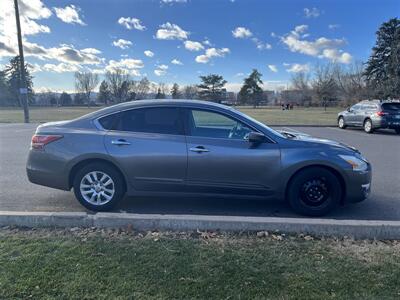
[356, 163]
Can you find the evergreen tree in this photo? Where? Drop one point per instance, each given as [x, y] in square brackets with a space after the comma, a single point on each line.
[211, 88]
[13, 75]
[383, 66]
[251, 91]
[65, 99]
[175, 92]
[104, 94]
[4, 90]
[160, 94]
[79, 99]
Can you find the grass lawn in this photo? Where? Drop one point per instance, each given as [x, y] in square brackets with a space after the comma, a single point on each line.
[269, 116]
[77, 265]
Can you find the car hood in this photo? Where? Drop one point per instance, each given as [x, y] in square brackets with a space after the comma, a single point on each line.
[300, 136]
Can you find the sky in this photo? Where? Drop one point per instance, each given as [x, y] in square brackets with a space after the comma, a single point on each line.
[178, 40]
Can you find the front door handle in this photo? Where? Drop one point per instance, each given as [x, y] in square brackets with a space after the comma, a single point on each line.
[199, 149]
[120, 142]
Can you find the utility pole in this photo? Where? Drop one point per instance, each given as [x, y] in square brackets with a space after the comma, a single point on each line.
[23, 91]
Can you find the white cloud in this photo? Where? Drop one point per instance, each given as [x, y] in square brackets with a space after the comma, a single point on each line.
[333, 26]
[129, 65]
[173, 1]
[176, 62]
[148, 53]
[131, 23]
[163, 67]
[31, 11]
[121, 43]
[161, 70]
[260, 45]
[193, 46]
[69, 14]
[311, 12]
[210, 53]
[241, 33]
[207, 42]
[170, 31]
[321, 47]
[295, 68]
[273, 68]
[91, 51]
[60, 68]
[337, 56]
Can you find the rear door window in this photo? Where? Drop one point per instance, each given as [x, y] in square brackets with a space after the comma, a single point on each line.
[161, 120]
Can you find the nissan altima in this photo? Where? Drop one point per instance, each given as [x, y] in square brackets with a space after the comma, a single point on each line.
[193, 148]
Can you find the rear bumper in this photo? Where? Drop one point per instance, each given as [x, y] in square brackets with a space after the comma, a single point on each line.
[44, 169]
[384, 123]
[358, 185]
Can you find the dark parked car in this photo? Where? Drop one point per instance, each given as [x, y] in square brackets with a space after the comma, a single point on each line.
[186, 147]
[372, 115]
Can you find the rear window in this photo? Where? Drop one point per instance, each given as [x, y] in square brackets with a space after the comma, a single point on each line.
[109, 122]
[391, 106]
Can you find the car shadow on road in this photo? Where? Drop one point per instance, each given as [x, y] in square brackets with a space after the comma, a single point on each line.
[204, 206]
[376, 131]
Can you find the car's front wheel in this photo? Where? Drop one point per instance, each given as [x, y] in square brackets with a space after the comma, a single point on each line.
[98, 186]
[314, 191]
[341, 123]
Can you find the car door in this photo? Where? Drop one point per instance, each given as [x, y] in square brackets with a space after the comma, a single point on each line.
[351, 116]
[360, 114]
[149, 145]
[222, 161]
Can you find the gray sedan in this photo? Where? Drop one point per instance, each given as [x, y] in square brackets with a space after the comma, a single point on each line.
[192, 148]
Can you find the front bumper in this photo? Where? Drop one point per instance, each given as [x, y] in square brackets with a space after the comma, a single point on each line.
[358, 185]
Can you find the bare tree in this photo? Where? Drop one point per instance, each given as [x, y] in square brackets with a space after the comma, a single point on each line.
[190, 91]
[143, 88]
[301, 82]
[85, 83]
[117, 81]
[324, 84]
[351, 82]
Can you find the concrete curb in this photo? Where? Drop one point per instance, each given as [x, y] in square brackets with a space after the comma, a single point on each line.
[319, 227]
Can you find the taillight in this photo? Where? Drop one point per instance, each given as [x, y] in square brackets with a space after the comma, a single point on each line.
[381, 113]
[39, 141]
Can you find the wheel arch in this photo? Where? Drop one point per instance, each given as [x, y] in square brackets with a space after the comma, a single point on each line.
[77, 166]
[334, 171]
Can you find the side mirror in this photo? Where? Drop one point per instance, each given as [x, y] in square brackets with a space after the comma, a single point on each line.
[348, 109]
[257, 138]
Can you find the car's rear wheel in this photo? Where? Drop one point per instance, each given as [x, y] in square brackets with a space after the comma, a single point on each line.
[368, 126]
[397, 130]
[341, 123]
[98, 186]
[314, 191]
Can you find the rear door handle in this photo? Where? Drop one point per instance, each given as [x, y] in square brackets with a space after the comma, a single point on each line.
[199, 149]
[120, 142]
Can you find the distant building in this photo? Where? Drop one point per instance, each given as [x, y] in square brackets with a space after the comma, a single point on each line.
[291, 97]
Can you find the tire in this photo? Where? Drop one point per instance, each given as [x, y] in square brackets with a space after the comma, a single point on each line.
[107, 193]
[314, 191]
[341, 123]
[397, 130]
[368, 126]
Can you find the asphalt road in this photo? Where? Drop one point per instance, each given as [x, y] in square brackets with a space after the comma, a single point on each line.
[382, 149]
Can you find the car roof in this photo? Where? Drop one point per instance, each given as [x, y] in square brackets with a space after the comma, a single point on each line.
[154, 102]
